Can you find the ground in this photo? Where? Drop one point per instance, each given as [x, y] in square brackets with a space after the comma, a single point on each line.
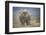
[35, 22]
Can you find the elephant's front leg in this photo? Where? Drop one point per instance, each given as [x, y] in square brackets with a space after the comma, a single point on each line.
[27, 22]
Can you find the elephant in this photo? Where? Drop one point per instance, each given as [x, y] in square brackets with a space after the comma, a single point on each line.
[25, 18]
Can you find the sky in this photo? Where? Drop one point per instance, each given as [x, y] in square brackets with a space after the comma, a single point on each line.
[33, 11]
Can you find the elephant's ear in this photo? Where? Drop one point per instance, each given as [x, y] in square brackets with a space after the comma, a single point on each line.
[30, 16]
[29, 13]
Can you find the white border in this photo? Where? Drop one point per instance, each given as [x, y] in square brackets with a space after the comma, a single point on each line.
[11, 29]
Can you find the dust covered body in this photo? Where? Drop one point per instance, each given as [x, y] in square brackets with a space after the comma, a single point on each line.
[25, 18]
